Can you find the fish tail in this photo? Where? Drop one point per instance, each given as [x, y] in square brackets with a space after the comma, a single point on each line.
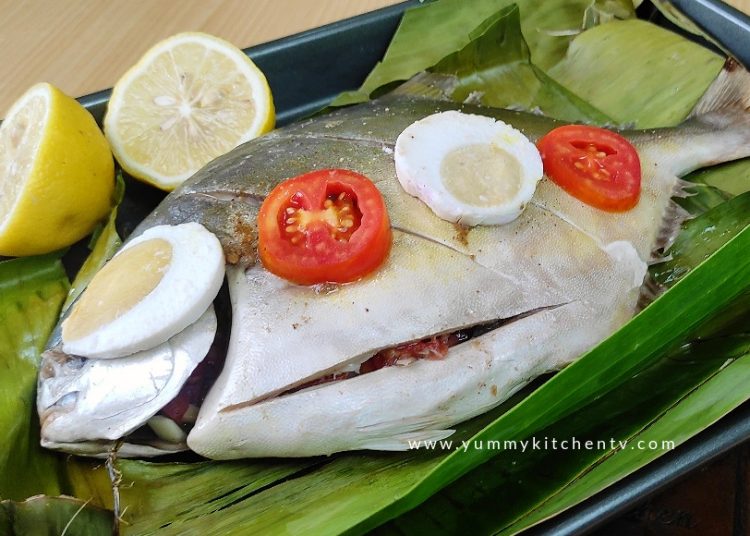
[728, 97]
[720, 122]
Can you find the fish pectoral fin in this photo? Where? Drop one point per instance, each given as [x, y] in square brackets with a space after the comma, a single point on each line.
[421, 439]
[406, 433]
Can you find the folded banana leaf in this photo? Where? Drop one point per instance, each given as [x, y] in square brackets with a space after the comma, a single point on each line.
[606, 63]
[495, 69]
[360, 491]
[431, 32]
[54, 516]
[32, 291]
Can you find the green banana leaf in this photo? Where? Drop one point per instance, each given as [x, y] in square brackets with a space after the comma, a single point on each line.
[495, 68]
[699, 237]
[364, 483]
[703, 406]
[431, 32]
[490, 499]
[607, 67]
[32, 291]
[489, 504]
[554, 480]
[53, 516]
[732, 177]
[356, 492]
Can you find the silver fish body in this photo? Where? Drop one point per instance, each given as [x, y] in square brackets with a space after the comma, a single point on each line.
[551, 285]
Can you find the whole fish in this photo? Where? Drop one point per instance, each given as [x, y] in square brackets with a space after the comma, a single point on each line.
[518, 300]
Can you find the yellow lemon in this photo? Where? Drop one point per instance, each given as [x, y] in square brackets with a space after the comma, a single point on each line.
[56, 173]
[191, 98]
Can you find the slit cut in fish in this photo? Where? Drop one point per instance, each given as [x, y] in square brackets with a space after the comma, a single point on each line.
[437, 346]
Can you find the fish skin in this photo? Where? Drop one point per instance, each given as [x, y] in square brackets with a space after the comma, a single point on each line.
[568, 274]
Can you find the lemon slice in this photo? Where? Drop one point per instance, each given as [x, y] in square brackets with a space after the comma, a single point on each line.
[56, 173]
[191, 98]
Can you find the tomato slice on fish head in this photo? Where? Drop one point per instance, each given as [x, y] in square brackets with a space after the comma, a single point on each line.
[595, 165]
[329, 225]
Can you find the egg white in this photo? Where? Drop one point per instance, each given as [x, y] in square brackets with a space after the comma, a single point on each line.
[188, 286]
[423, 145]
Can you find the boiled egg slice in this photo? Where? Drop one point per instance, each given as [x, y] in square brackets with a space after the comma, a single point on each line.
[469, 169]
[157, 285]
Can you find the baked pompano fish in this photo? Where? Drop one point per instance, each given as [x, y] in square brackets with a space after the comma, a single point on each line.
[491, 307]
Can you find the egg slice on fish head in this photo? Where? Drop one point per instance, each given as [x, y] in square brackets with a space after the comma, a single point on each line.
[469, 169]
[133, 339]
[156, 286]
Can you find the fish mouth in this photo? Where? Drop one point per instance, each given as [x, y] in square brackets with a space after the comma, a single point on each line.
[68, 400]
[436, 346]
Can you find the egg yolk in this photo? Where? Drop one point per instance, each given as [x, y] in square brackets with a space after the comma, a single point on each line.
[481, 174]
[121, 284]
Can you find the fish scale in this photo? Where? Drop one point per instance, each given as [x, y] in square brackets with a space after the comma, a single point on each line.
[564, 275]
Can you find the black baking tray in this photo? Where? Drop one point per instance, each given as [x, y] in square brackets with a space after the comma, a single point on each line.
[307, 70]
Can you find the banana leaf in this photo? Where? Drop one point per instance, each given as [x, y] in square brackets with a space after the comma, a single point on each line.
[53, 516]
[490, 499]
[32, 291]
[431, 32]
[699, 237]
[703, 406]
[732, 177]
[611, 61]
[489, 504]
[365, 484]
[495, 68]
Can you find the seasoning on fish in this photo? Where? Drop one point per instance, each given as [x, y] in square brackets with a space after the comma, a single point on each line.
[156, 286]
[327, 226]
[594, 165]
[303, 372]
[470, 169]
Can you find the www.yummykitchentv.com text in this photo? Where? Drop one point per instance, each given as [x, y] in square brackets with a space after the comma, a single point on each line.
[545, 443]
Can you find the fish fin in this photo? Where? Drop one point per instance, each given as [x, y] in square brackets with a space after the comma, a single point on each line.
[426, 85]
[672, 220]
[730, 92]
[671, 225]
[404, 433]
[650, 290]
[408, 440]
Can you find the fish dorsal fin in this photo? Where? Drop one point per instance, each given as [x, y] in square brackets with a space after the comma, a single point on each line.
[730, 92]
[426, 85]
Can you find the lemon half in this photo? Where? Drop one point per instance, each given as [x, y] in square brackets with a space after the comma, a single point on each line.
[191, 98]
[56, 173]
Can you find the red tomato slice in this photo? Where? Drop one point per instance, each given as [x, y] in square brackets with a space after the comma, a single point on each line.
[595, 165]
[325, 226]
